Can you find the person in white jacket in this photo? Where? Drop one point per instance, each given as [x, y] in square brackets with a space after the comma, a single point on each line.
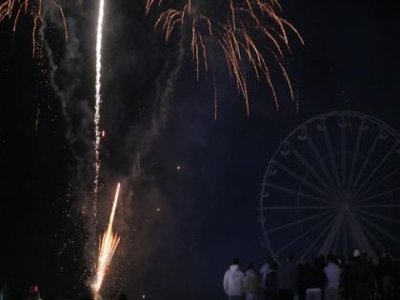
[233, 281]
[332, 273]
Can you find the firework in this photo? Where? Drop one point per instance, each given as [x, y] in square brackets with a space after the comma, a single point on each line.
[241, 29]
[13, 9]
[107, 246]
[99, 40]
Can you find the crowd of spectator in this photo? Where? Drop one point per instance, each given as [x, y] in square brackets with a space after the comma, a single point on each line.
[318, 278]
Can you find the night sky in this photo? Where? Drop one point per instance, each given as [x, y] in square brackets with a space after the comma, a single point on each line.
[190, 189]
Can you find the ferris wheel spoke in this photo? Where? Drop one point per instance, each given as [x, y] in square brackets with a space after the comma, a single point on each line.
[371, 174]
[378, 216]
[344, 240]
[362, 193]
[369, 234]
[379, 195]
[378, 206]
[332, 158]
[299, 178]
[365, 162]
[335, 245]
[321, 162]
[303, 235]
[298, 222]
[375, 241]
[312, 245]
[357, 151]
[310, 169]
[343, 156]
[359, 235]
[330, 238]
[311, 207]
[338, 238]
[297, 193]
[380, 229]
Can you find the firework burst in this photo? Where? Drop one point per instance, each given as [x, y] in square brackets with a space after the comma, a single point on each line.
[13, 9]
[241, 29]
[108, 244]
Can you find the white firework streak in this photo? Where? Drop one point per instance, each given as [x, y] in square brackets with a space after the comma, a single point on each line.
[98, 98]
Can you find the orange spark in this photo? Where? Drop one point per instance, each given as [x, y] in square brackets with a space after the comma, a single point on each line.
[13, 9]
[108, 244]
[244, 30]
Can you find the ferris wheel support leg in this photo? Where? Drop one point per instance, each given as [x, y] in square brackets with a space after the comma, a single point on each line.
[323, 232]
[327, 245]
[360, 237]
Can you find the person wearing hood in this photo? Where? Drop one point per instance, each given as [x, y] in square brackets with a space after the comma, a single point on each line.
[251, 283]
[286, 278]
[233, 281]
[332, 274]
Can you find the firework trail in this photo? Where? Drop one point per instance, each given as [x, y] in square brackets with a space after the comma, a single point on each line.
[234, 27]
[37, 118]
[165, 88]
[12, 9]
[99, 40]
[108, 244]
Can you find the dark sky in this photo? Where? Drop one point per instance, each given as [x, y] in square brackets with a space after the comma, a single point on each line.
[208, 208]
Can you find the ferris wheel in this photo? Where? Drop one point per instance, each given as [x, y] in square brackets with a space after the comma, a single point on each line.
[333, 185]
